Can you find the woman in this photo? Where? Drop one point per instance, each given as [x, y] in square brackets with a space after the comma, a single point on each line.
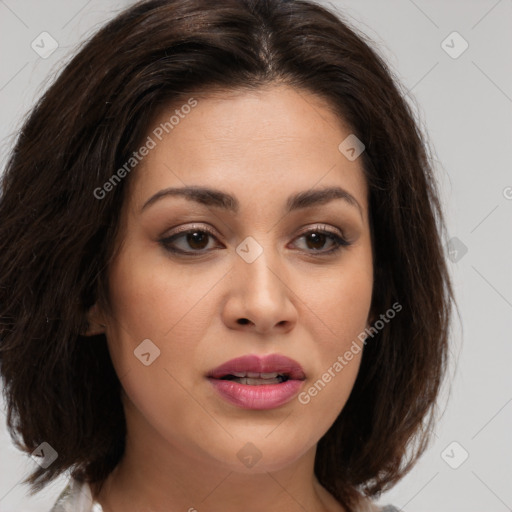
[222, 276]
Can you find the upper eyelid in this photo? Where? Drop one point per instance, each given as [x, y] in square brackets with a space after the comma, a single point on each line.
[303, 230]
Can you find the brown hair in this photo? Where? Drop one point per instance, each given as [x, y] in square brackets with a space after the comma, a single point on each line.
[56, 238]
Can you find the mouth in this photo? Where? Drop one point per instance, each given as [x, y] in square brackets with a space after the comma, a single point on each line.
[257, 379]
[256, 370]
[254, 382]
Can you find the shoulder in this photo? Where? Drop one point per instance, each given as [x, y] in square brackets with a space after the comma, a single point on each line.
[370, 506]
[76, 497]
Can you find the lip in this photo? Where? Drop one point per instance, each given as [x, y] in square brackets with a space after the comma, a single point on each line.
[260, 364]
[265, 396]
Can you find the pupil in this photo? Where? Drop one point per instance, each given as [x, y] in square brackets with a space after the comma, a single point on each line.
[317, 238]
[197, 240]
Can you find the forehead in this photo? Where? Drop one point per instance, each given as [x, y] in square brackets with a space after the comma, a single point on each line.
[268, 142]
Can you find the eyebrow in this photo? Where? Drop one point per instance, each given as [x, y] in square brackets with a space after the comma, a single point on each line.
[223, 200]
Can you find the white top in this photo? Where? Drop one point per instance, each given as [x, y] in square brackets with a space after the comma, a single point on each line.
[77, 497]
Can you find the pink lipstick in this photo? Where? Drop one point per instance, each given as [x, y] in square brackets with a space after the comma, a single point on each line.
[254, 382]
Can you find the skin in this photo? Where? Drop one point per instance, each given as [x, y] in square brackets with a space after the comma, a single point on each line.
[183, 438]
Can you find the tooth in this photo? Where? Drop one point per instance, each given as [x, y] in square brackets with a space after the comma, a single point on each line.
[258, 382]
[239, 374]
[254, 375]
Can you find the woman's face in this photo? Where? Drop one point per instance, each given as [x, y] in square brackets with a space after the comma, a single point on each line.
[256, 278]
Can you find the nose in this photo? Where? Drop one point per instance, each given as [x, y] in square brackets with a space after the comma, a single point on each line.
[260, 298]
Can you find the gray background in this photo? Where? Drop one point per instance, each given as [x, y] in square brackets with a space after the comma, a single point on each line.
[466, 105]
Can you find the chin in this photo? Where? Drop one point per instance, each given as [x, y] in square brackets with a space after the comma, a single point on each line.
[259, 456]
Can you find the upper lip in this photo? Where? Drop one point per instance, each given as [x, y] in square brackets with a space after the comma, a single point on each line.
[272, 363]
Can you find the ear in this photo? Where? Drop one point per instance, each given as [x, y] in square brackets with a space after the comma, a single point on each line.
[95, 322]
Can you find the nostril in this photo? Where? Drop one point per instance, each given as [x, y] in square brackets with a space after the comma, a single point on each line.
[243, 321]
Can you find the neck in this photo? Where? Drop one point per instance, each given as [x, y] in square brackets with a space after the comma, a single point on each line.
[155, 475]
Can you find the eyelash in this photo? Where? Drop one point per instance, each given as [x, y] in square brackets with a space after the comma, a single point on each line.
[339, 241]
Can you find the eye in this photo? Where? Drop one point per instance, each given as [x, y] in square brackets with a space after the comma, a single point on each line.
[316, 238]
[196, 241]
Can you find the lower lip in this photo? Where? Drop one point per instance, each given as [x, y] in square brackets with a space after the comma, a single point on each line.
[265, 396]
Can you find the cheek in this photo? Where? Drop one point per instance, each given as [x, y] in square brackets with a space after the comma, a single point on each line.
[339, 305]
[148, 303]
[327, 390]
[152, 297]
[338, 308]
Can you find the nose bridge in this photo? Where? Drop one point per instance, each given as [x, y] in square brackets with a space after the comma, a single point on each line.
[259, 287]
[257, 267]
